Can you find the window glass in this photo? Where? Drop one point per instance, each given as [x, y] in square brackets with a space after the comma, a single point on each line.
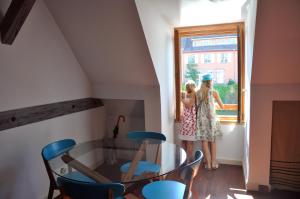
[224, 58]
[191, 59]
[224, 70]
[207, 58]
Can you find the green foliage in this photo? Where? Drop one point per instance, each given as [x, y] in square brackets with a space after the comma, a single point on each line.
[183, 88]
[192, 73]
[228, 93]
[226, 112]
[231, 82]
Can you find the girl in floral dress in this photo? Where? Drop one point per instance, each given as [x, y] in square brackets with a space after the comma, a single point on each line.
[208, 125]
[188, 123]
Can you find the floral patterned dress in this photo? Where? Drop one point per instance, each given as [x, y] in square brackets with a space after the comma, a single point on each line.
[208, 125]
[188, 124]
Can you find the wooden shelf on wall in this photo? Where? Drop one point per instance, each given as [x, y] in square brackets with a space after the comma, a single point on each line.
[19, 117]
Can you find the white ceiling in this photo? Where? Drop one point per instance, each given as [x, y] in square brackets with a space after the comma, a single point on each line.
[107, 38]
[199, 12]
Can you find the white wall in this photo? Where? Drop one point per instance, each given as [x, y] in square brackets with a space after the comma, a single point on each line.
[150, 95]
[262, 97]
[159, 37]
[275, 76]
[39, 68]
[249, 16]
[106, 37]
[23, 174]
[229, 146]
[132, 110]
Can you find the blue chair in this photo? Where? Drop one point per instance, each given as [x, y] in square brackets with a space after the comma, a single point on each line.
[143, 166]
[146, 135]
[81, 190]
[167, 189]
[53, 150]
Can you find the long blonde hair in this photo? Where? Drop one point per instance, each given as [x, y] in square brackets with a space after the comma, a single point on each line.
[190, 83]
[205, 87]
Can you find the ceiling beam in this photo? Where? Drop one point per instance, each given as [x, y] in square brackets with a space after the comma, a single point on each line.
[14, 19]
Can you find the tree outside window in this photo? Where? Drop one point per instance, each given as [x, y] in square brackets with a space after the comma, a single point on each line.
[192, 73]
[227, 69]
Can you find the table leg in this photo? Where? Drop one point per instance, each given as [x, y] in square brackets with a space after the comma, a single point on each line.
[84, 169]
[128, 176]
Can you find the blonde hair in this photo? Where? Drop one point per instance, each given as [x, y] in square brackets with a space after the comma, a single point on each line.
[190, 83]
[205, 87]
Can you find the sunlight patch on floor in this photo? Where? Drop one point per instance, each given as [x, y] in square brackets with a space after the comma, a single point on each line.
[235, 189]
[239, 194]
[242, 196]
[229, 197]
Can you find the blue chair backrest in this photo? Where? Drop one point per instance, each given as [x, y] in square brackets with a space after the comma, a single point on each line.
[79, 190]
[145, 135]
[56, 148]
[197, 160]
[189, 171]
[196, 163]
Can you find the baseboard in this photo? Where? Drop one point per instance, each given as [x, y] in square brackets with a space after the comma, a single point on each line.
[252, 186]
[230, 162]
[257, 187]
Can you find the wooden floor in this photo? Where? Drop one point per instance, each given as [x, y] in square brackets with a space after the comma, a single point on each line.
[227, 182]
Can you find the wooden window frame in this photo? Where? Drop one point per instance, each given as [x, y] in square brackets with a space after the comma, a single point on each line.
[228, 28]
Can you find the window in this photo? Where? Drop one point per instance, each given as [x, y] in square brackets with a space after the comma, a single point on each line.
[224, 58]
[191, 59]
[226, 43]
[219, 76]
[208, 58]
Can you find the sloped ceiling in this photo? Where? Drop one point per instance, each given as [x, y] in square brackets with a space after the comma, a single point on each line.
[168, 9]
[3, 7]
[107, 38]
[198, 12]
[277, 43]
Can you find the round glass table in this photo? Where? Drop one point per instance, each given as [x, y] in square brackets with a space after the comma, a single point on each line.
[101, 160]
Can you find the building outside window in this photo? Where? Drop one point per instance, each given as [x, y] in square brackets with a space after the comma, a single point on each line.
[218, 54]
[224, 58]
[208, 58]
[191, 59]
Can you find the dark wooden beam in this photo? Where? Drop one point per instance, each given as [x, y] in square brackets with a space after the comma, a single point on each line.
[14, 19]
[19, 117]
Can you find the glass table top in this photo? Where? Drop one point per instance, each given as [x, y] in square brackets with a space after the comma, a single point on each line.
[101, 160]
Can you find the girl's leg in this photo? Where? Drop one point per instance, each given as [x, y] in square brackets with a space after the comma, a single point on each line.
[206, 154]
[190, 150]
[184, 144]
[213, 155]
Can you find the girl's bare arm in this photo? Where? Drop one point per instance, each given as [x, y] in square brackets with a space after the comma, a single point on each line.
[190, 101]
[218, 99]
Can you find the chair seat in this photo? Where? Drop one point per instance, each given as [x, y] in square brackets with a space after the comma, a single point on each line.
[75, 175]
[143, 166]
[165, 189]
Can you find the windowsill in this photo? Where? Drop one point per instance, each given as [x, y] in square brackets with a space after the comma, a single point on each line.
[231, 122]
